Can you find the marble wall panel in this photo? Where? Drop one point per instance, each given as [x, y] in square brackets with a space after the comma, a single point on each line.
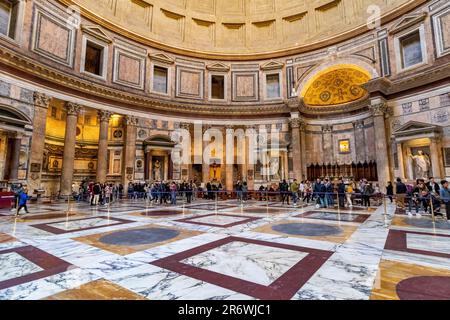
[53, 37]
[245, 86]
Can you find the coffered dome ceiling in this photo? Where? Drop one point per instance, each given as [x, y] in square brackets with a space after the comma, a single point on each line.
[238, 29]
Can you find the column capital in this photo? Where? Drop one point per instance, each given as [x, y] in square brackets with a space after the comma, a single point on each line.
[73, 109]
[229, 129]
[358, 124]
[297, 123]
[41, 99]
[379, 109]
[185, 126]
[131, 120]
[327, 128]
[104, 115]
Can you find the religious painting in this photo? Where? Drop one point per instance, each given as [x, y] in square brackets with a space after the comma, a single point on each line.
[344, 146]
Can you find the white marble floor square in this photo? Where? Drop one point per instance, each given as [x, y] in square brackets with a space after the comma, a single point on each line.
[251, 262]
[428, 243]
[82, 224]
[218, 220]
[13, 265]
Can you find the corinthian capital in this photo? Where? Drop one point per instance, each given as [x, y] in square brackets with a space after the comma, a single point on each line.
[41, 99]
[104, 115]
[297, 123]
[131, 120]
[379, 109]
[73, 109]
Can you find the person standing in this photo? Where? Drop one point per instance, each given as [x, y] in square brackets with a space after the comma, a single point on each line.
[294, 191]
[349, 192]
[341, 193]
[23, 198]
[173, 193]
[445, 197]
[401, 193]
[97, 191]
[284, 189]
[390, 191]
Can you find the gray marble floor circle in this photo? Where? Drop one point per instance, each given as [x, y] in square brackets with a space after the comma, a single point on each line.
[139, 236]
[307, 229]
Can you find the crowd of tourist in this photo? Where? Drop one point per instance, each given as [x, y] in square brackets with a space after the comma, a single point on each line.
[422, 197]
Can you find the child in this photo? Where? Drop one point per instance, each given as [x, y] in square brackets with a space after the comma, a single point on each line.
[23, 198]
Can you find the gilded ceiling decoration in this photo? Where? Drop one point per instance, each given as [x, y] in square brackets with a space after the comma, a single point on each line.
[337, 87]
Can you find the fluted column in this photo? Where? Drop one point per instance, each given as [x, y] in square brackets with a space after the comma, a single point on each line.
[360, 144]
[401, 164]
[436, 158]
[72, 110]
[302, 129]
[229, 166]
[379, 111]
[102, 157]
[129, 152]
[328, 153]
[297, 148]
[41, 104]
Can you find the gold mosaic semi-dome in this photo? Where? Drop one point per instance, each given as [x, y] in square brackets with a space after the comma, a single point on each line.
[238, 29]
[336, 87]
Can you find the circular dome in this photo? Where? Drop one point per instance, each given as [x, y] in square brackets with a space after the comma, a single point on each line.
[238, 29]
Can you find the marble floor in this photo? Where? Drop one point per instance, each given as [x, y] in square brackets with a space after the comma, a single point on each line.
[133, 250]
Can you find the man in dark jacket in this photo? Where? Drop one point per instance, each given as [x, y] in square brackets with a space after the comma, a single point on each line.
[401, 193]
[284, 189]
[341, 193]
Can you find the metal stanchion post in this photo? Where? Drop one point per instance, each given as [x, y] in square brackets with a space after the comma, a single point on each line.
[385, 205]
[17, 206]
[432, 209]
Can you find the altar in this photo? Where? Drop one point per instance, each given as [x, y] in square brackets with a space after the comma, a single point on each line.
[418, 152]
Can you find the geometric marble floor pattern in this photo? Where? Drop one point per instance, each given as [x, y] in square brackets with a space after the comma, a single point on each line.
[134, 251]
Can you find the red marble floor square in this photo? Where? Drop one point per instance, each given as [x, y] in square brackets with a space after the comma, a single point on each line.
[283, 288]
[49, 264]
[241, 220]
[51, 226]
[398, 240]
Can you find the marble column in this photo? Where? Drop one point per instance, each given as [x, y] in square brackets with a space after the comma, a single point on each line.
[302, 129]
[16, 143]
[297, 148]
[401, 163]
[129, 152]
[102, 157]
[328, 153]
[205, 166]
[359, 141]
[379, 110]
[72, 110]
[436, 158]
[229, 164]
[248, 158]
[41, 104]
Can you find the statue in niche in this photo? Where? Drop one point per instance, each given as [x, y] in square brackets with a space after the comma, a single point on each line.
[157, 170]
[275, 168]
[422, 165]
